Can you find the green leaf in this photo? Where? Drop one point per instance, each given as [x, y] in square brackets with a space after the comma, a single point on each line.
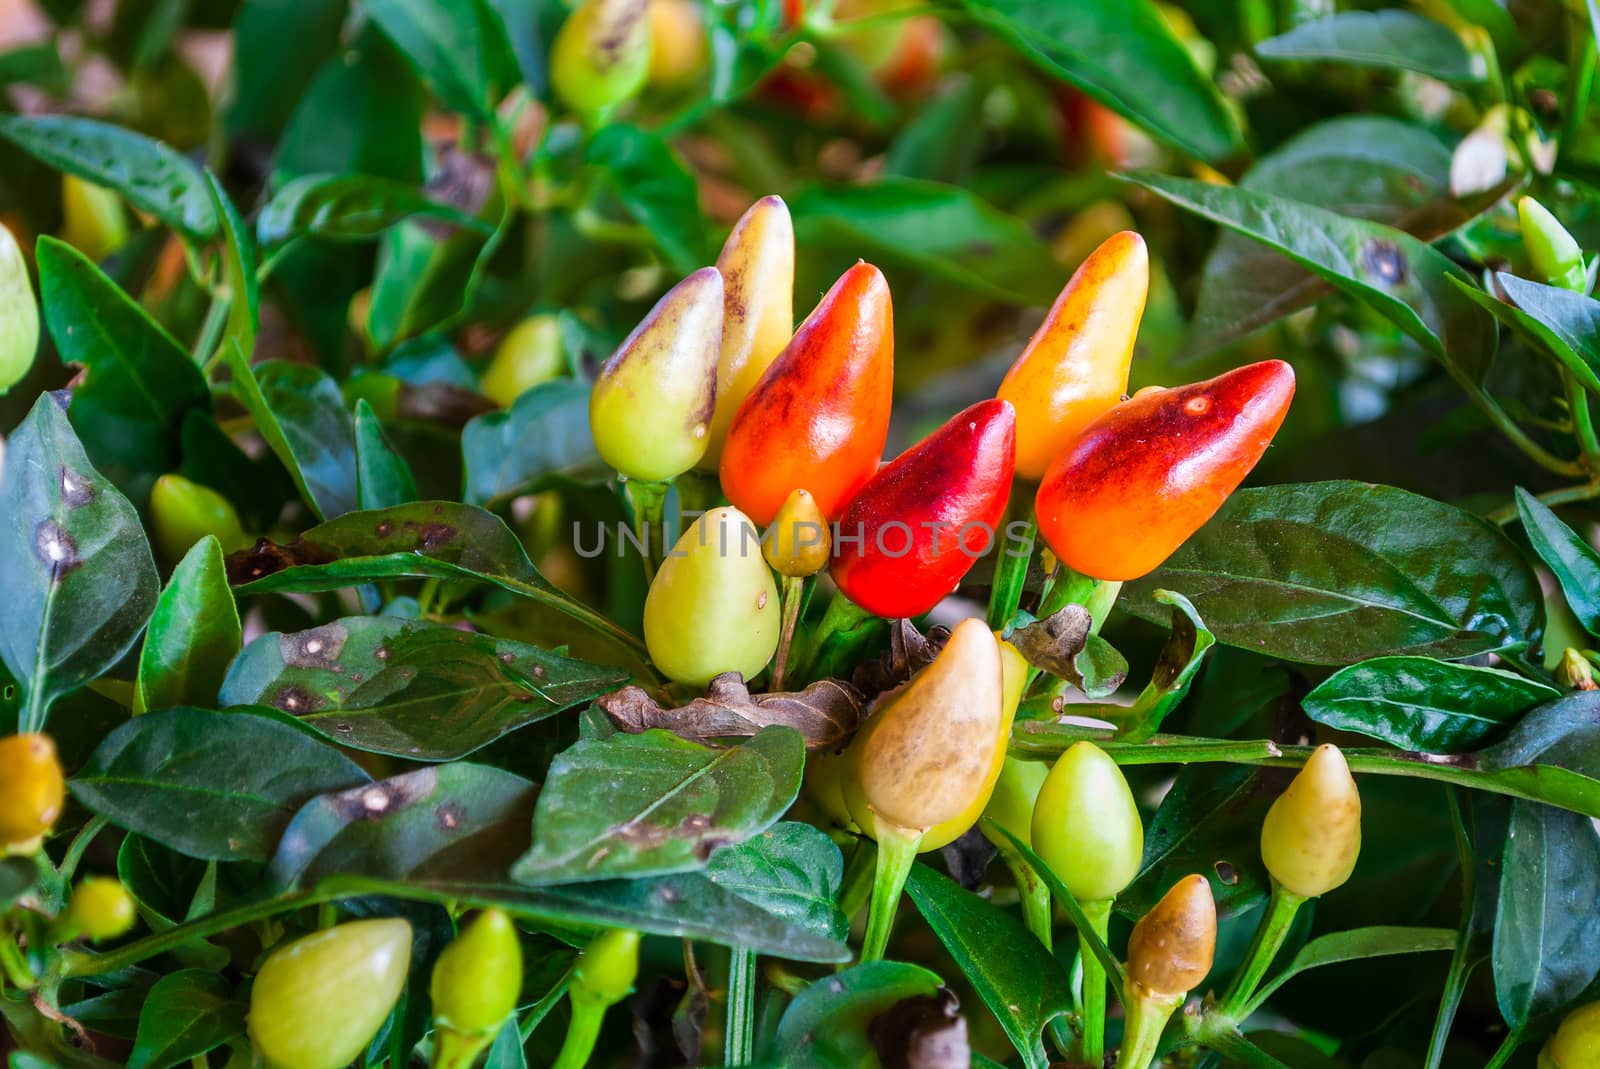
[422, 691]
[166, 884]
[1339, 572]
[1547, 931]
[348, 207]
[457, 821]
[215, 786]
[140, 383]
[791, 870]
[942, 230]
[1569, 556]
[645, 176]
[1418, 703]
[425, 539]
[520, 20]
[1358, 944]
[506, 1050]
[186, 1014]
[1399, 276]
[943, 140]
[17, 877]
[148, 174]
[277, 47]
[457, 46]
[829, 1023]
[76, 575]
[1566, 323]
[1125, 56]
[544, 436]
[1208, 822]
[38, 65]
[383, 479]
[300, 412]
[239, 282]
[258, 486]
[1022, 983]
[1175, 669]
[1394, 40]
[670, 804]
[194, 634]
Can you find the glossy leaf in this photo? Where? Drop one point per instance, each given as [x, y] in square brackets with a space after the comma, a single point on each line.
[383, 479]
[1547, 931]
[1567, 323]
[422, 691]
[1338, 572]
[186, 1014]
[456, 47]
[1418, 703]
[1568, 555]
[215, 786]
[17, 876]
[828, 1024]
[140, 384]
[1399, 276]
[671, 804]
[76, 574]
[1024, 987]
[458, 821]
[791, 870]
[1124, 56]
[1358, 944]
[1396, 40]
[300, 412]
[150, 175]
[239, 281]
[1175, 668]
[941, 230]
[193, 636]
[506, 1051]
[641, 171]
[348, 207]
[1208, 822]
[542, 438]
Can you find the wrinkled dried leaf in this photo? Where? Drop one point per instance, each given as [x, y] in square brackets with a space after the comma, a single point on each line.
[825, 713]
[909, 651]
[1052, 643]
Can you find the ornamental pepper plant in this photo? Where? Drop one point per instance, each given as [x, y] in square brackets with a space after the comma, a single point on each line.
[852, 534]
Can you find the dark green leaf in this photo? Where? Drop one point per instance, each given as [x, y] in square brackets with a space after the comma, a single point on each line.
[1547, 932]
[456, 46]
[1358, 944]
[544, 436]
[38, 65]
[383, 479]
[216, 786]
[1403, 278]
[669, 804]
[791, 870]
[186, 1014]
[1175, 669]
[277, 47]
[520, 20]
[17, 876]
[300, 412]
[1567, 323]
[425, 692]
[258, 486]
[1397, 40]
[828, 1024]
[239, 284]
[76, 575]
[1418, 703]
[1208, 822]
[1017, 978]
[457, 821]
[1124, 56]
[1569, 556]
[164, 882]
[150, 175]
[644, 175]
[1560, 734]
[139, 384]
[194, 634]
[942, 230]
[941, 142]
[506, 1050]
[348, 207]
[1339, 572]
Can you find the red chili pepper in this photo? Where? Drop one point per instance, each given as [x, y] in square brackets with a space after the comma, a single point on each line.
[920, 524]
[818, 418]
[1149, 473]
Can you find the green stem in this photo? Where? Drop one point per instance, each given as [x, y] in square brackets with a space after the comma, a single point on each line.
[1519, 437]
[541, 1009]
[1270, 934]
[897, 852]
[1582, 420]
[80, 843]
[740, 1033]
[1455, 983]
[1010, 576]
[793, 594]
[1094, 983]
[1565, 496]
[647, 502]
[582, 1031]
[12, 964]
[822, 647]
[857, 883]
[205, 347]
[1145, 1018]
[1034, 895]
[1070, 588]
[79, 964]
[1507, 1049]
[1231, 1045]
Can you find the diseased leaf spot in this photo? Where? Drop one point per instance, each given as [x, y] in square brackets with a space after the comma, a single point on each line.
[76, 491]
[1383, 259]
[1227, 873]
[435, 535]
[317, 648]
[55, 548]
[450, 816]
[296, 701]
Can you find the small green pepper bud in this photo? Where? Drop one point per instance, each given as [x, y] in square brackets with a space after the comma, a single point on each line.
[100, 908]
[601, 55]
[1575, 670]
[92, 218]
[474, 989]
[1555, 254]
[650, 411]
[1576, 1044]
[318, 1001]
[529, 354]
[1312, 834]
[798, 541]
[1086, 825]
[713, 607]
[184, 512]
[32, 790]
[19, 313]
[608, 966]
[1169, 953]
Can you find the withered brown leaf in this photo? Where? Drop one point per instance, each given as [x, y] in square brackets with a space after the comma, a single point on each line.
[1053, 642]
[825, 713]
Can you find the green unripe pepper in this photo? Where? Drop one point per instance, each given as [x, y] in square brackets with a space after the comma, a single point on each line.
[100, 908]
[1086, 826]
[474, 988]
[608, 966]
[601, 56]
[1015, 794]
[713, 606]
[1556, 257]
[318, 1001]
[92, 218]
[19, 314]
[183, 512]
[529, 354]
[1576, 1044]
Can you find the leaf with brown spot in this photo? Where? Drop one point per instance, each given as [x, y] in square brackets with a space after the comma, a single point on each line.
[1062, 645]
[825, 713]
